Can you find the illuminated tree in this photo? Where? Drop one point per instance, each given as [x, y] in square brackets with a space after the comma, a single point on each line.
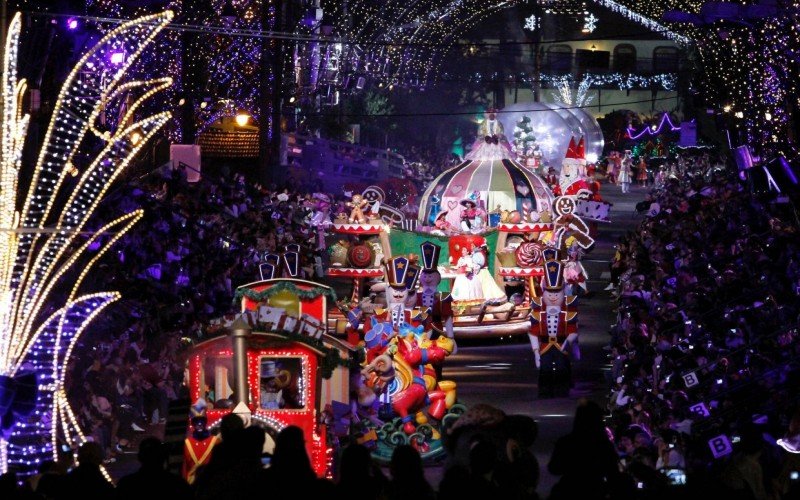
[42, 236]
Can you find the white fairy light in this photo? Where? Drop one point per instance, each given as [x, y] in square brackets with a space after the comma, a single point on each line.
[644, 21]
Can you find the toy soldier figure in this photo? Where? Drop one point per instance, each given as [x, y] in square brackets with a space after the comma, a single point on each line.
[553, 333]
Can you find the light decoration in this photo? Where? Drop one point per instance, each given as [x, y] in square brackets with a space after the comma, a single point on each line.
[623, 81]
[654, 129]
[645, 21]
[749, 64]
[164, 61]
[532, 23]
[589, 23]
[234, 63]
[396, 42]
[565, 96]
[242, 119]
[44, 241]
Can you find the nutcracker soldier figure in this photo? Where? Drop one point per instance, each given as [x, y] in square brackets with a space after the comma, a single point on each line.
[401, 290]
[553, 333]
[197, 447]
[436, 304]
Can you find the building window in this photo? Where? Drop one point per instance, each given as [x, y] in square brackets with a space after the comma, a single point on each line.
[625, 58]
[665, 60]
[559, 59]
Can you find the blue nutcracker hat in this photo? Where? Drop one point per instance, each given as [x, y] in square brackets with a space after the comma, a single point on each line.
[553, 277]
[293, 247]
[272, 258]
[292, 261]
[430, 255]
[397, 271]
[550, 253]
[412, 276]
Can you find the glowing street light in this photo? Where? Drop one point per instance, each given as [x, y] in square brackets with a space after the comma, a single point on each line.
[242, 119]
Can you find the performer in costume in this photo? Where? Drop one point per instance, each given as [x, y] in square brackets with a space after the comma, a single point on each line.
[489, 288]
[437, 305]
[472, 214]
[568, 227]
[401, 284]
[491, 141]
[467, 285]
[553, 333]
[641, 176]
[625, 173]
[198, 447]
[436, 207]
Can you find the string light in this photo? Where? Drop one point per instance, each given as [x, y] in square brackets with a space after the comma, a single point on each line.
[654, 129]
[34, 259]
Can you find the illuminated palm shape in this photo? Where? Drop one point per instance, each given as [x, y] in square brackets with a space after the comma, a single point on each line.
[40, 316]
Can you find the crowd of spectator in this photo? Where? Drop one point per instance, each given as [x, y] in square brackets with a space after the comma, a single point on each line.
[704, 353]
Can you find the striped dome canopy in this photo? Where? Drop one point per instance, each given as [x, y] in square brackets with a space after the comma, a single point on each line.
[503, 183]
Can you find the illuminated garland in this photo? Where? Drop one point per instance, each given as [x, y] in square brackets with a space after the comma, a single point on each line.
[43, 241]
[283, 286]
[644, 21]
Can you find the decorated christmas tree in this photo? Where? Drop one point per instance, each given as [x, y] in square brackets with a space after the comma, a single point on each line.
[524, 140]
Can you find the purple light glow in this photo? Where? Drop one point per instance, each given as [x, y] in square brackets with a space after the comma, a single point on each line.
[647, 130]
[117, 58]
[72, 23]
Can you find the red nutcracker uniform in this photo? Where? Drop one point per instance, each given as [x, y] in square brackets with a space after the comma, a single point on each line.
[554, 326]
[197, 448]
[196, 452]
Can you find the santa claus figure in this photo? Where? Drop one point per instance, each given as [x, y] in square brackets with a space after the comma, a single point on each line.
[197, 447]
[553, 333]
[572, 180]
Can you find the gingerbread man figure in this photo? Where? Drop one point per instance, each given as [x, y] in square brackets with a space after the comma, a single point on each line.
[357, 205]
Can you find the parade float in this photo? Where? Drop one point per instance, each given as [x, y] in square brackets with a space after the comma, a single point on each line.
[495, 203]
[274, 364]
[400, 395]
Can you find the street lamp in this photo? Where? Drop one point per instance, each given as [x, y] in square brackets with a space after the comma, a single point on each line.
[242, 119]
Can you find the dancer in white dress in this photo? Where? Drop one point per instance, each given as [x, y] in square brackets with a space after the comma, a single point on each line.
[467, 285]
